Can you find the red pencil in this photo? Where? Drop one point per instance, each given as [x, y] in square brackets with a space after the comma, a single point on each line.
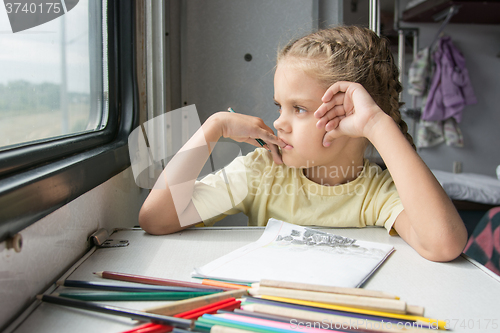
[153, 280]
[227, 306]
[205, 307]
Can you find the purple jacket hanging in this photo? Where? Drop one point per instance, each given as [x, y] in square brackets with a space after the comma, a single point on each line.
[451, 88]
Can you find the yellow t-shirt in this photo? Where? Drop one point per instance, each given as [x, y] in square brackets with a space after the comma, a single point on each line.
[255, 185]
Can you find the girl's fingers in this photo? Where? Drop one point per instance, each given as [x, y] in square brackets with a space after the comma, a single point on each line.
[335, 112]
[330, 136]
[275, 152]
[253, 142]
[331, 91]
[270, 138]
[336, 100]
[273, 149]
[334, 123]
[340, 86]
[272, 142]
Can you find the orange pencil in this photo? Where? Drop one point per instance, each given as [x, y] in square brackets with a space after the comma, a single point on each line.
[220, 284]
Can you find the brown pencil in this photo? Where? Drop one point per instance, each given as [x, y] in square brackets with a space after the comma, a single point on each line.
[193, 303]
[153, 280]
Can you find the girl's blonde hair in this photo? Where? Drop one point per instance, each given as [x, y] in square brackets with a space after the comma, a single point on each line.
[355, 54]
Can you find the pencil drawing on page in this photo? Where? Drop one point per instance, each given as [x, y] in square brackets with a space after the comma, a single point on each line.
[307, 239]
[316, 238]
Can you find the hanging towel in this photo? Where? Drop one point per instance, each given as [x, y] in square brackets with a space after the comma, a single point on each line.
[433, 133]
[451, 88]
[419, 73]
[452, 133]
[430, 134]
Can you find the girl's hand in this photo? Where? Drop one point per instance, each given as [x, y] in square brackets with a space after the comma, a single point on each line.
[244, 128]
[347, 109]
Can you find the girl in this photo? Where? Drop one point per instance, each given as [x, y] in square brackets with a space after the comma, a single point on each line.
[337, 91]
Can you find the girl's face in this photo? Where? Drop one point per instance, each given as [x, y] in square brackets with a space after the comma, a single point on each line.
[298, 96]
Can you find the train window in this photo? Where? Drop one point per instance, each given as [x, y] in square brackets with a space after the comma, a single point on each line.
[68, 96]
[54, 77]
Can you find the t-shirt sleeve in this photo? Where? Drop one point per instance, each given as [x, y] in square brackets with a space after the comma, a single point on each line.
[391, 208]
[225, 192]
[385, 203]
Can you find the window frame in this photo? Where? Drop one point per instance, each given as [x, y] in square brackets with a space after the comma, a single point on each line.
[61, 170]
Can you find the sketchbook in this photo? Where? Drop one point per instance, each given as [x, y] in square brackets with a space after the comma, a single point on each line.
[288, 252]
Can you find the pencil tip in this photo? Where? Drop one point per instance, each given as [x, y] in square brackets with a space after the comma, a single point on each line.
[98, 274]
[60, 283]
[39, 297]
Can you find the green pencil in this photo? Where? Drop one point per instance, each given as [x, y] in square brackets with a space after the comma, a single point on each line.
[132, 296]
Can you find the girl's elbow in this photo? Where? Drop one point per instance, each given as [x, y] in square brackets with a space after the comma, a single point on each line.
[155, 221]
[443, 255]
[446, 250]
[448, 245]
[149, 221]
[145, 220]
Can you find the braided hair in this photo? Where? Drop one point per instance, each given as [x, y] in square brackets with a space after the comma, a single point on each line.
[355, 54]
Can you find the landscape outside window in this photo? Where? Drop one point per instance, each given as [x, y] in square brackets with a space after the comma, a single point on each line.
[51, 77]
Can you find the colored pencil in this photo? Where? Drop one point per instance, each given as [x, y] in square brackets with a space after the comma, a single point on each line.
[151, 280]
[434, 322]
[193, 303]
[113, 310]
[202, 327]
[228, 307]
[254, 314]
[215, 283]
[227, 304]
[180, 330]
[130, 296]
[372, 303]
[324, 289]
[224, 329]
[131, 288]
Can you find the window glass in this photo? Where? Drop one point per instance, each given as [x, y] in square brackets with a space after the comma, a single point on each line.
[53, 77]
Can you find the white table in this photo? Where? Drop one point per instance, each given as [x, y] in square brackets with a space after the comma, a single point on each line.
[462, 292]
